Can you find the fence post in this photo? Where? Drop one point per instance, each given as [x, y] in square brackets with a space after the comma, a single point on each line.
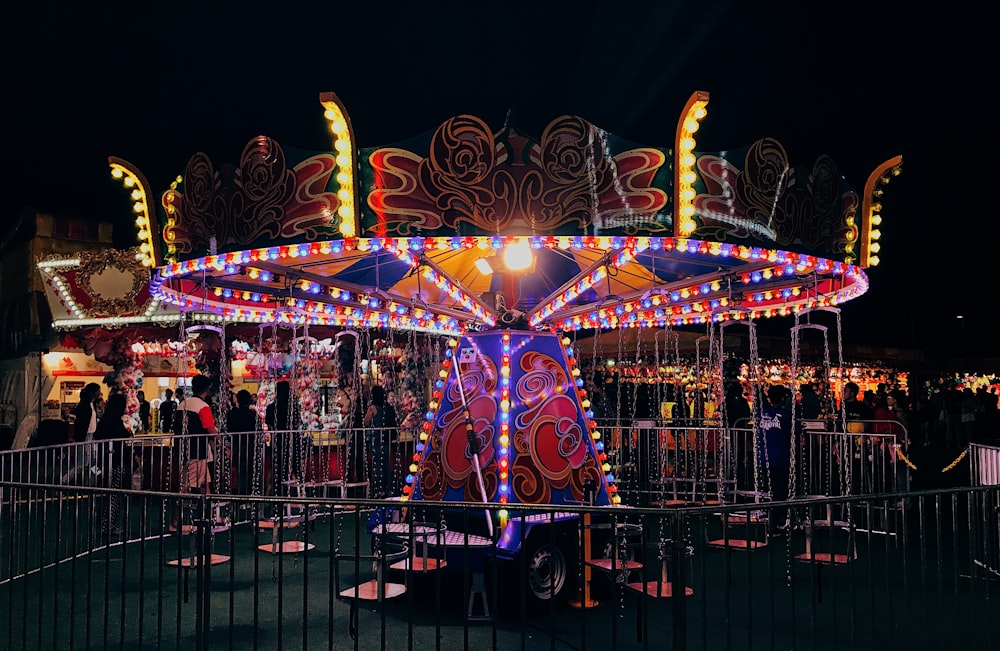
[678, 579]
[203, 582]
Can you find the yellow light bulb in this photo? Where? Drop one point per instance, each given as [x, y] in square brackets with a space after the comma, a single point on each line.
[517, 255]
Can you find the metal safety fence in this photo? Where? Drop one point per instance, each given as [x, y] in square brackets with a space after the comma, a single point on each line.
[89, 565]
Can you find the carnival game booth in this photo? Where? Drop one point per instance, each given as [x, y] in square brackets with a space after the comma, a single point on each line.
[108, 325]
[508, 245]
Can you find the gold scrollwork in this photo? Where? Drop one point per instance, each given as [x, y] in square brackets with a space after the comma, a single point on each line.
[95, 263]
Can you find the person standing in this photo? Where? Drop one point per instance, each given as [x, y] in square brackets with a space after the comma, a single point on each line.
[952, 399]
[859, 417]
[145, 412]
[85, 421]
[281, 418]
[968, 408]
[114, 459]
[891, 420]
[167, 408]
[774, 445]
[737, 406]
[85, 413]
[241, 422]
[738, 420]
[809, 404]
[381, 428]
[195, 419]
[355, 410]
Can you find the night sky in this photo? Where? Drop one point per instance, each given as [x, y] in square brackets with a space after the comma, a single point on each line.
[155, 85]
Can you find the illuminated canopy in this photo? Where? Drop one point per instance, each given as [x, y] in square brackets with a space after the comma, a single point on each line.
[621, 234]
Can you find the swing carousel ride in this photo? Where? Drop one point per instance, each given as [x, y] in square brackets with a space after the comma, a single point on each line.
[508, 245]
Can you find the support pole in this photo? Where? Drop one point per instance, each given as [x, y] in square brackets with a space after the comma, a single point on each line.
[584, 600]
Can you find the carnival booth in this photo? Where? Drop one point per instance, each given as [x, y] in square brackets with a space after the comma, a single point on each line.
[109, 326]
[481, 255]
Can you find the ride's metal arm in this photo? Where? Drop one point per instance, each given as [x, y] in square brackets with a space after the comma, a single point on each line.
[473, 445]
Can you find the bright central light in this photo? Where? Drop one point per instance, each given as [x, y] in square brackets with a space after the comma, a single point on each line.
[517, 256]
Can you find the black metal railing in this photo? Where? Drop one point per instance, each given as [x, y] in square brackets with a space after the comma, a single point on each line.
[87, 564]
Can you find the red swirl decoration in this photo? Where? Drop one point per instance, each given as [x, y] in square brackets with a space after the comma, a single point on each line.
[581, 475]
[770, 200]
[494, 181]
[259, 200]
[429, 478]
[457, 466]
[525, 481]
[550, 440]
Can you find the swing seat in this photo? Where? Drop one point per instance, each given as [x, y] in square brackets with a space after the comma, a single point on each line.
[657, 589]
[754, 524]
[620, 566]
[340, 488]
[184, 529]
[661, 588]
[824, 557]
[427, 542]
[670, 503]
[381, 560]
[324, 465]
[194, 561]
[276, 526]
[738, 543]
[819, 533]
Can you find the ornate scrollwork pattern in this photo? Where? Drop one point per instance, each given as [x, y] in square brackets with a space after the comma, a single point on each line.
[496, 182]
[260, 200]
[773, 201]
[97, 262]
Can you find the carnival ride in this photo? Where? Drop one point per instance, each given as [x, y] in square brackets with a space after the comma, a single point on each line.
[508, 246]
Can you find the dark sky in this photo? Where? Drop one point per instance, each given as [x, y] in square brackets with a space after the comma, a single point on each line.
[862, 85]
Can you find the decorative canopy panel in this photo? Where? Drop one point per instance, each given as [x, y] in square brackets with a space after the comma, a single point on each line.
[534, 442]
[465, 180]
[576, 282]
[416, 235]
[108, 288]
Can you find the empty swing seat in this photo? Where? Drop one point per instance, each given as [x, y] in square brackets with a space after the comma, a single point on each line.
[619, 565]
[661, 587]
[426, 539]
[195, 557]
[277, 525]
[753, 524]
[824, 534]
[385, 554]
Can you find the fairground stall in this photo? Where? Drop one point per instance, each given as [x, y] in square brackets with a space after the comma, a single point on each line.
[109, 326]
[481, 255]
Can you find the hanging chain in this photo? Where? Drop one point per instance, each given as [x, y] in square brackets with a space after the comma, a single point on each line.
[660, 434]
[224, 459]
[792, 465]
[845, 464]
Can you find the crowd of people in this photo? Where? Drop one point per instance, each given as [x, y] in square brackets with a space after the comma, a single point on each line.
[269, 468]
[925, 426]
[920, 430]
